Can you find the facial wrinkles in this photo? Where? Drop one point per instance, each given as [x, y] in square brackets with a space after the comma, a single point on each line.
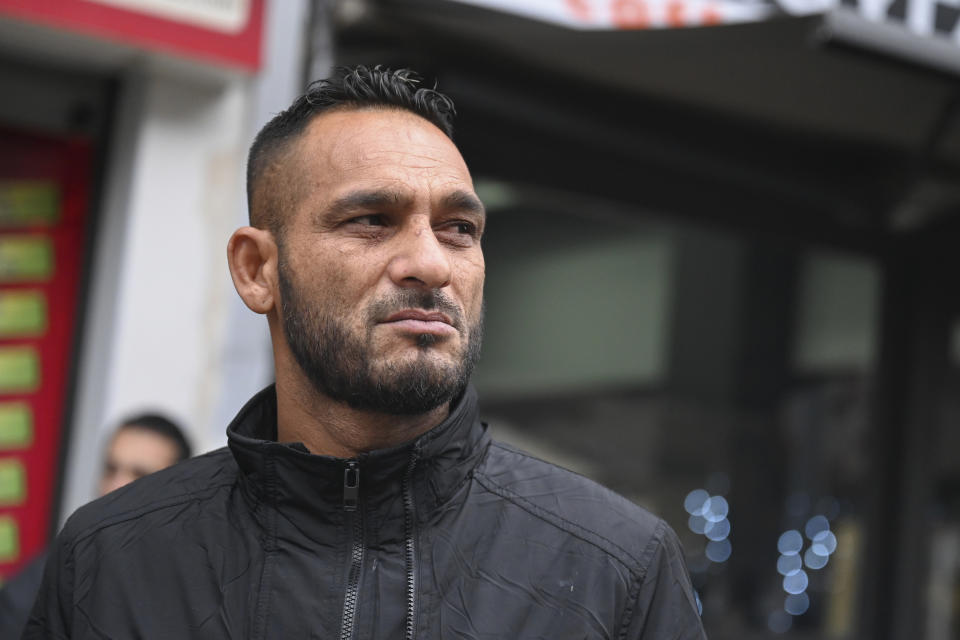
[410, 147]
[332, 331]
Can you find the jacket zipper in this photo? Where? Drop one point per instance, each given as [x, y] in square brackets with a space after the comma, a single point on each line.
[411, 556]
[351, 499]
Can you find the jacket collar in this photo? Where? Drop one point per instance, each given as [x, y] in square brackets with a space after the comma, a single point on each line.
[289, 476]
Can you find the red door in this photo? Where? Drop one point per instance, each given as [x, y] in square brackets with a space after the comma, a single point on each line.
[44, 184]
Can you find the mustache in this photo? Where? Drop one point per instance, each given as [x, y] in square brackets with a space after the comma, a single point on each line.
[435, 300]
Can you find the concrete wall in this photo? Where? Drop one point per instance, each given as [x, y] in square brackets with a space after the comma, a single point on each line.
[165, 329]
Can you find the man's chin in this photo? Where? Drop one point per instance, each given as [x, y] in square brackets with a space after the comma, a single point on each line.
[408, 389]
[425, 363]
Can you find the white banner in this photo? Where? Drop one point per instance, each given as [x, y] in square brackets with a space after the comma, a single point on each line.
[228, 16]
[631, 14]
[939, 19]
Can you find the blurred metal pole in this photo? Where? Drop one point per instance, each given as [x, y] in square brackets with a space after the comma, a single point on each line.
[318, 52]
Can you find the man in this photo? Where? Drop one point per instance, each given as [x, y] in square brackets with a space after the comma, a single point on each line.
[141, 445]
[361, 497]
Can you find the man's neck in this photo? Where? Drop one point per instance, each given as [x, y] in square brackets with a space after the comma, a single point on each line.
[332, 428]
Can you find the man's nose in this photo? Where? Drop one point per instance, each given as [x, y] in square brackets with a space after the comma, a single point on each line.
[420, 260]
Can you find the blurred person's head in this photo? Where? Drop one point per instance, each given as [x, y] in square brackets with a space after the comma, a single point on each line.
[141, 445]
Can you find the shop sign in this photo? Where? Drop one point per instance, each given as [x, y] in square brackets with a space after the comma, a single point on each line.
[227, 16]
[632, 14]
[927, 18]
[225, 32]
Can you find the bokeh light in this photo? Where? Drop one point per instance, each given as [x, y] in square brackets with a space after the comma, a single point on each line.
[779, 621]
[824, 543]
[696, 502]
[716, 509]
[790, 543]
[793, 558]
[719, 530]
[815, 525]
[719, 550]
[789, 565]
[708, 517]
[796, 604]
[699, 524]
[813, 560]
[797, 583]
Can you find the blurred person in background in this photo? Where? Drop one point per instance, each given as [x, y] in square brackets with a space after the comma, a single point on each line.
[141, 445]
[361, 496]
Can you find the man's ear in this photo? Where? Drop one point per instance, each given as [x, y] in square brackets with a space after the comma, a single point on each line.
[252, 256]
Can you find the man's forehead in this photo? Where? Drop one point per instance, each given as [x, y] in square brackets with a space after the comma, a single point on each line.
[385, 150]
[349, 136]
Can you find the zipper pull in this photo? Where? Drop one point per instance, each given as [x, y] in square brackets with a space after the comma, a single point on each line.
[351, 486]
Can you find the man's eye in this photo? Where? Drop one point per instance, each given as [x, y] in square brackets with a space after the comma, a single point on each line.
[371, 220]
[465, 228]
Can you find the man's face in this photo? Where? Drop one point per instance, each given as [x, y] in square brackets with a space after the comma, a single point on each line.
[380, 267]
[133, 453]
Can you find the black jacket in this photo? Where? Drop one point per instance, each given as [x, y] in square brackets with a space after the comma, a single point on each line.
[17, 596]
[450, 536]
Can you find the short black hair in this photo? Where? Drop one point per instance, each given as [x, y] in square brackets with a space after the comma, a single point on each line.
[348, 88]
[162, 426]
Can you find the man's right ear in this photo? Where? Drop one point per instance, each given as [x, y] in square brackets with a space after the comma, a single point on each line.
[252, 255]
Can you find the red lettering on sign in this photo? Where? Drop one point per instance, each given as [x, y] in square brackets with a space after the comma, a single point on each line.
[711, 15]
[580, 9]
[675, 11]
[630, 14]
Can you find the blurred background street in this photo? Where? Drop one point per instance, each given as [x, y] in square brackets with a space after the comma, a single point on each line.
[722, 265]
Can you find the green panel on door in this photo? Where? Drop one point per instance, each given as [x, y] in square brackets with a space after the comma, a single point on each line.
[22, 313]
[13, 482]
[19, 369]
[16, 425]
[29, 203]
[9, 539]
[25, 258]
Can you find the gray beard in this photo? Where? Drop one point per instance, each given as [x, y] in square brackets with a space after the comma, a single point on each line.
[340, 365]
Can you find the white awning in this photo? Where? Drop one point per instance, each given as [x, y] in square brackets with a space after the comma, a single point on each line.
[922, 31]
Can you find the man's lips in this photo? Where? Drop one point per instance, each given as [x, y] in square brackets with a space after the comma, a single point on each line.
[421, 321]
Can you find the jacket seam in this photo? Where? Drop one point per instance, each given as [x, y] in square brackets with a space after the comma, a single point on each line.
[442, 501]
[577, 531]
[141, 511]
[641, 568]
[634, 592]
[524, 454]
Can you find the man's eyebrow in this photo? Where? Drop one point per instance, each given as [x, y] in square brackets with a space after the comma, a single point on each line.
[372, 199]
[367, 200]
[463, 201]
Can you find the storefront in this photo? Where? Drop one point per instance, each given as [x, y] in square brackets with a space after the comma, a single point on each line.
[719, 280]
[123, 133]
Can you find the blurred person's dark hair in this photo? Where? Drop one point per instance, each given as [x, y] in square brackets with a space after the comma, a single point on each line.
[162, 426]
[270, 188]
